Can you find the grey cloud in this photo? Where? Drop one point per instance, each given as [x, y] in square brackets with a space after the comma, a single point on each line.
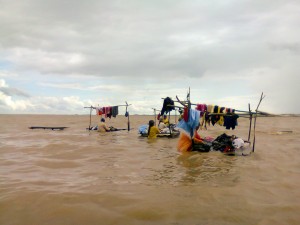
[291, 47]
[137, 38]
[145, 42]
[14, 92]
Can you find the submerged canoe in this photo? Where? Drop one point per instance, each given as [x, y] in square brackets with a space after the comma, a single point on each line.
[48, 128]
[172, 135]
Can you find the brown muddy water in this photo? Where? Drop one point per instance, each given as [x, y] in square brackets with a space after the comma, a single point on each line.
[75, 176]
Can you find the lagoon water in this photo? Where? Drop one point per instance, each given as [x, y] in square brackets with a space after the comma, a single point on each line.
[75, 176]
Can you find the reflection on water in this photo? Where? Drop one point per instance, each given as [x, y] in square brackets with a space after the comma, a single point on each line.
[206, 168]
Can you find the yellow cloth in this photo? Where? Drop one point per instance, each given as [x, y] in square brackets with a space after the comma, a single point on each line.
[166, 121]
[153, 132]
[221, 120]
[210, 108]
[102, 127]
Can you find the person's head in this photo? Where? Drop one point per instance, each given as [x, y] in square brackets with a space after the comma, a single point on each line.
[102, 120]
[165, 116]
[151, 123]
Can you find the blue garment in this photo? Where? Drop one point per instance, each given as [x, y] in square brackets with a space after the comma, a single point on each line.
[192, 123]
[143, 129]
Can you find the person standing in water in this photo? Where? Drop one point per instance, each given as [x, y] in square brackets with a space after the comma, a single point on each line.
[152, 130]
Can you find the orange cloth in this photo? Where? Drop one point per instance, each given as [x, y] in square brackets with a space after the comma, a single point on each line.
[184, 143]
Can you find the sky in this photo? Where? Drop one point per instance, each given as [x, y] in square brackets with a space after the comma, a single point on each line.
[57, 56]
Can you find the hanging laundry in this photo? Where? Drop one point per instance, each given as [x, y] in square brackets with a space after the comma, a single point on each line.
[186, 114]
[168, 106]
[158, 116]
[230, 120]
[215, 118]
[202, 108]
[210, 108]
[99, 111]
[114, 111]
[193, 122]
[107, 111]
[126, 114]
[203, 121]
[221, 119]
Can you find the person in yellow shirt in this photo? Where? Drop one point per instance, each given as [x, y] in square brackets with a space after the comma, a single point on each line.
[152, 130]
[166, 120]
[161, 124]
[102, 127]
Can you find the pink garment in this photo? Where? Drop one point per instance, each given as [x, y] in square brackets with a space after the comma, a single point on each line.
[106, 111]
[202, 108]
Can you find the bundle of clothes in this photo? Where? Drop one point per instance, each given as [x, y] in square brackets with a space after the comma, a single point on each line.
[223, 143]
[143, 129]
[191, 141]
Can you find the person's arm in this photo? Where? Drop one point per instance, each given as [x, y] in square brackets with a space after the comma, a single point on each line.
[157, 130]
[106, 128]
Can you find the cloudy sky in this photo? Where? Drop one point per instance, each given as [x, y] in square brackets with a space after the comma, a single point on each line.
[58, 56]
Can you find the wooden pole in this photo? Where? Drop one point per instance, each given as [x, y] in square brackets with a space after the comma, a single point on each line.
[128, 120]
[170, 124]
[154, 110]
[90, 117]
[261, 98]
[250, 126]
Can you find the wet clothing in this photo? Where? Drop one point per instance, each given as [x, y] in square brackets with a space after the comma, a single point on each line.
[223, 143]
[166, 121]
[102, 127]
[162, 125]
[153, 132]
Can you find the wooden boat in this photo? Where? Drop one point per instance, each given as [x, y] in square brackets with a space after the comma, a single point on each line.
[143, 131]
[174, 134]
[47, 128]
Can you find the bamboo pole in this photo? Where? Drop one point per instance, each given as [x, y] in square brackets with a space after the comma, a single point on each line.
[128, 120]
[250, 126]
[261, 98]
[90, 118]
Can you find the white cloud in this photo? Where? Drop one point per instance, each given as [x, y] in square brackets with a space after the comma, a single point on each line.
[7, 104]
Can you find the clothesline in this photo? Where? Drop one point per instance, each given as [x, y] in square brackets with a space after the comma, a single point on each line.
[109, 113]
[189, 103]
[94, 107]
[226, 114]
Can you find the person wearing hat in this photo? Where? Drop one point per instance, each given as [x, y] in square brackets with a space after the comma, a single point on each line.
[102, 127]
